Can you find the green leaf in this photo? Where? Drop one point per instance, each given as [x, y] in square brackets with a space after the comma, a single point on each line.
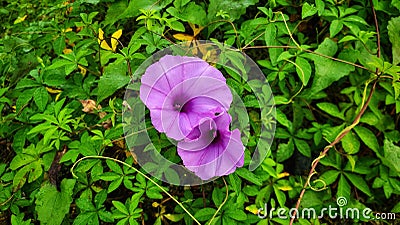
[235, 182]
[368, 137]
[114, 166]
[394, 32]
[114, 78]
[59, 45]
[236, 214]
[21, 160]
[304, 72]
[246, 174]
[350, 143]
[27, 83]
[359, 183]
[121, 207]
[41, 97]
[41, 127]
[271, 40]
[308, 10]
[234, 8]
[330, 176]
[51, 205]
[60, 63]
[191, 13]
[204, 214]
[285, 151]
[320, 5]
[24, 98]
[280, 196]
[115, 184]
[391, 156]
[331, 109]
[217, 196]
[327, 70]
[343, 189]
[303, 147]
[335, 27]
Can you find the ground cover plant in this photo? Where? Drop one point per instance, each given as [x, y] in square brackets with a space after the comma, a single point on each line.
[332, 67]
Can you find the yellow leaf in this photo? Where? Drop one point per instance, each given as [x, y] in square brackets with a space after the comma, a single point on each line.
[285, 188]
[102, 42]
[253, 209]
[101, 35]
[83, 70]
[66, 30]
[114, 39]
[196, 30]
[58, 96]
[183, 37]
[53, 91]
[67, 51]
[284, 174]
[20, 19]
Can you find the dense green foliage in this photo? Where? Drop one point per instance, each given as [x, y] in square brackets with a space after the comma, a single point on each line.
[64, 67]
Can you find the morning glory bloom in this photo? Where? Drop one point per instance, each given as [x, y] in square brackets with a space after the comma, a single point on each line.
[211, 149]
[180, 90]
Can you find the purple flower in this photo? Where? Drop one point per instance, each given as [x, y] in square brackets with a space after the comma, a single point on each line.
[211, 149]
[180, 90]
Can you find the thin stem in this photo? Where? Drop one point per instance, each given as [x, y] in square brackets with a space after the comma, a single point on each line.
[347, 129]
[326, 149]
[223, 203]
[312, 52]
[138, 171]
[378, 36]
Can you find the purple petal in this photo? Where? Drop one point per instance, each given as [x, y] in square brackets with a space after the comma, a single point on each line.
[188, 85]
[221, 157]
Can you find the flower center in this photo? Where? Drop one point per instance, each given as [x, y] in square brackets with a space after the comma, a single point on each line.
[177, 106]
[214, 135]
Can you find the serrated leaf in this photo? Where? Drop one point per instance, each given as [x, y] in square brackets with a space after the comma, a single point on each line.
[327, 70]
[51, 205]
[350, 143]
[113, 79]
[391, 156]
[41, 97]
[59, 45]
[236, 214]
[271, 40]
[394, 31]
[284, 151]
[303, 147]
[204, 214]
[247, 175]
[234, 8]
[308, 10]
[192, 13]
[368, 137]
[359, 183]
[343, 189]
[27, 83]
